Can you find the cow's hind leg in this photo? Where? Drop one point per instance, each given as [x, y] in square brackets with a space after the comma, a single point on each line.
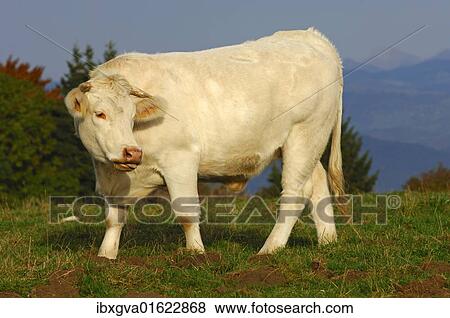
[115, 220]
[301, 153]
[322, 210]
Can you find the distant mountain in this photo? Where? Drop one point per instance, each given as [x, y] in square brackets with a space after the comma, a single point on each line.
[393, 59]
[444, 55]
[406, 104]
[350, 65]
[387, 61]
[404, 115]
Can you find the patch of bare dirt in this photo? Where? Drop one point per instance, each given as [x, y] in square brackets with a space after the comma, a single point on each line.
[431, 287]
[318, 267]
[223, 289]
[9, 294]
[265, 276]
[61, 283]
[149, 294]
[436, 267]
[138, 261]
[198, 260]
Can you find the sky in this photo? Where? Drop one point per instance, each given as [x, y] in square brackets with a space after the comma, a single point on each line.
[358, 28]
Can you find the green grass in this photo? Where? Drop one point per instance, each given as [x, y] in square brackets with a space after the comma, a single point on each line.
[385, 257]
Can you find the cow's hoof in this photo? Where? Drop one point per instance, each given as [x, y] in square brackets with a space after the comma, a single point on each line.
[267, 250]
[110, 255]
[195, 244]
[196, 249]
[272, 245]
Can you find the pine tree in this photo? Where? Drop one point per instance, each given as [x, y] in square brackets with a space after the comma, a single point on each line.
[110, 51]
[356, 166]
[82, 63]
[78, 72]
[89, 63]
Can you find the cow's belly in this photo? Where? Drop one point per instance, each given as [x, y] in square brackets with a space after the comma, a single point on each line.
[245, 164]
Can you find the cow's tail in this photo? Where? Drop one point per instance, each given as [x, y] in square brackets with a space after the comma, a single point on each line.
[335, 173]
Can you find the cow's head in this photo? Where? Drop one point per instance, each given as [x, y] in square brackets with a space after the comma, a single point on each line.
[104, 110]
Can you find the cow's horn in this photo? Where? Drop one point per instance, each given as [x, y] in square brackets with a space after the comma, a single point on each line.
[85, 87]
[138, 93]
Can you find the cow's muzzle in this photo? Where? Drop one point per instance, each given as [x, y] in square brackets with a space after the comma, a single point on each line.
[131, 158]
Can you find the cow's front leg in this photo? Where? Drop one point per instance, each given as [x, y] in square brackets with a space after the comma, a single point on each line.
[115, 220]
[180, 174]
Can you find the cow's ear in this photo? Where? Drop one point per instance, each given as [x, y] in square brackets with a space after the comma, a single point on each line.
[76, 103]
[147, 107]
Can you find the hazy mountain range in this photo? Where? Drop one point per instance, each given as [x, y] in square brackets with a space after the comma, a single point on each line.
[400, 104]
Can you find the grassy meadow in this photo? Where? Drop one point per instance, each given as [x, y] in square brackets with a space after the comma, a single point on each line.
[407, 257]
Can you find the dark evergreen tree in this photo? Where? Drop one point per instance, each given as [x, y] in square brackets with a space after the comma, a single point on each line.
[110, 51]
[82, 63]
[78, 67]
[89, 63]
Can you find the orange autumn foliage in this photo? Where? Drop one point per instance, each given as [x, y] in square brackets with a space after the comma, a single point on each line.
[22, 71]
[437, 180]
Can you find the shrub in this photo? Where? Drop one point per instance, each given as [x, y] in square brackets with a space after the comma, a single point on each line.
[434, 180]
[29, 164]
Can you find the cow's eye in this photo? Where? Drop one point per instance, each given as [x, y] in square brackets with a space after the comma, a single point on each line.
[100, 115]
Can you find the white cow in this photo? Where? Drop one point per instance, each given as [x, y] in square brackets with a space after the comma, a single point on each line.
[168, 119]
